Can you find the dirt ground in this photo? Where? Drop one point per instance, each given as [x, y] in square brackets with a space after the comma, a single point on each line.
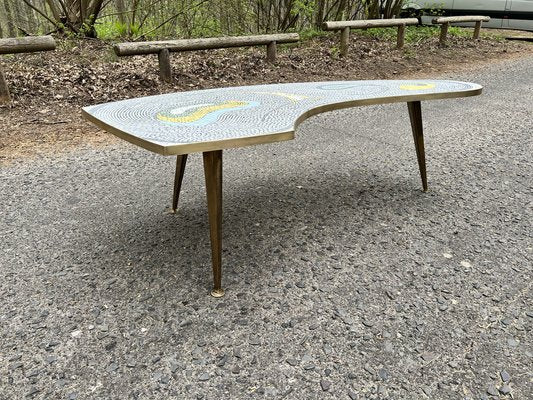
[48, 89]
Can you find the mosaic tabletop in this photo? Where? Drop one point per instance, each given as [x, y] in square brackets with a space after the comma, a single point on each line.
[205, 120]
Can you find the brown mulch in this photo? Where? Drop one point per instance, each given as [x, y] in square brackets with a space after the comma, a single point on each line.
[49, 88]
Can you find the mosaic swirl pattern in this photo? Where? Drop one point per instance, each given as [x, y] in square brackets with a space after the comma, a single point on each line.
[217, 115]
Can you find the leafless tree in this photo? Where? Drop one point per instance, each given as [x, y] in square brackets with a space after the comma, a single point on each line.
[182, 18]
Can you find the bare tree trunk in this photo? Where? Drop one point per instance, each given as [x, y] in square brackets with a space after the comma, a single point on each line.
[321, 5]
[11, 30]
[121, 11]
[340, 10]
[373, 9]
[32, 23]
[53, 8]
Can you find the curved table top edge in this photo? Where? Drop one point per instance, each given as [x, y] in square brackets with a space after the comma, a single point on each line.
[222, 144]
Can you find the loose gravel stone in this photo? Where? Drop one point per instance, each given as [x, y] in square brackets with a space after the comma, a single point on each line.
[110, 346]
[388, 347]
[222, 360]
[112, 367]
[32, 373]
[507, 321]
[505, 376]
[428, 357]
[383, 374]
[255, 340]
[16, 366]
[50, 359]
[492, 390]
[33, 392]
[292, 362]
[325, 385]
[309, 366]
[203, 377]
[174, 365]
[505, 389]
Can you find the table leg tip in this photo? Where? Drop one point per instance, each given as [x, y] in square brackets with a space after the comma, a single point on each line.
[217, 293]
[172, 211]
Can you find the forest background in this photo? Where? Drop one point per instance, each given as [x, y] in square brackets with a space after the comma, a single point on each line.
[151, 19]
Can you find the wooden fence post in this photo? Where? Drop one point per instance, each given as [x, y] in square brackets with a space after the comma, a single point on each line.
[165, 70]
[272, 52]
[345, 38]
[5, 97]
[401, 36]
[477, 30]
[443, 33]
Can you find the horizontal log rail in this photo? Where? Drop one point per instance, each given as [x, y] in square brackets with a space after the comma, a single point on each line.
[445, 22]
[30, 44]
[345, 26]
[164, 48]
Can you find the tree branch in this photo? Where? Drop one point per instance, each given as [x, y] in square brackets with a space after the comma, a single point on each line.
[39, 12]
[171, 18]
[128, 11]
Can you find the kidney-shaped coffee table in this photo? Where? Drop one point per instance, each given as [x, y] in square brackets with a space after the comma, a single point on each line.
[209, 121]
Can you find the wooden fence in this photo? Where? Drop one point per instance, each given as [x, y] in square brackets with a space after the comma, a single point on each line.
[345, 26]
[446, 21]
[164, 48]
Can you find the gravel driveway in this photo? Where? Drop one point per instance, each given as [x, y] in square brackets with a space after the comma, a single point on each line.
[343, 280]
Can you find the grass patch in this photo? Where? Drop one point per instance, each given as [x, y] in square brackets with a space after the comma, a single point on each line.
[414, 34]
[308, 34]
[459, 32]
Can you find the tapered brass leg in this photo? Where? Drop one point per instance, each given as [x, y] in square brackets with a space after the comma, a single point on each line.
[181, 161]
[213, 185]
[415, 114]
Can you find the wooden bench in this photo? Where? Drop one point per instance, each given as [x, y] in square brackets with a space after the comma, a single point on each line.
[445, 22]
[28, 44]
[164, 48]
[345, 26]
[209, 121]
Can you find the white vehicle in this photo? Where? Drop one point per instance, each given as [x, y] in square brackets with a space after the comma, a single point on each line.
[506, 14]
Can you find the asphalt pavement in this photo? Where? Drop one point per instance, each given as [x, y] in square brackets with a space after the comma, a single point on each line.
[343, 279]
